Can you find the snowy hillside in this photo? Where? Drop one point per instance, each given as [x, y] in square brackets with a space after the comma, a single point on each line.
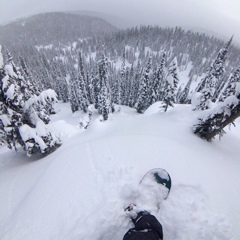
[78, 192]
[52, 28]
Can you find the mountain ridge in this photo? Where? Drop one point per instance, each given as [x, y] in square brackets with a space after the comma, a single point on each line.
[53, 27]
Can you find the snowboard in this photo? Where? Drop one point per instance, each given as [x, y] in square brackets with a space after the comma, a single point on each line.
[157, 178]
[154, 187]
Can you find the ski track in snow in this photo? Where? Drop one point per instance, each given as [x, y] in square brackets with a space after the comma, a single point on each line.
[108, 219]
[80, 191]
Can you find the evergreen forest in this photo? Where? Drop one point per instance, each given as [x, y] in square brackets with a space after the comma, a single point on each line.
[99, 70]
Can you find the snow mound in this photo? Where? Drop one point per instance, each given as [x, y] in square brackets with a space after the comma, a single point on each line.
[188, 215]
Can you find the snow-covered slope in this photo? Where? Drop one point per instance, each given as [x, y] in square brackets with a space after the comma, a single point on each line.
[78, 192]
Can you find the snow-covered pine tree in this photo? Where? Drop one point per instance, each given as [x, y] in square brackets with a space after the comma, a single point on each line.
[157, 80]
[211, 83]
[88, 88]
[81, 68]
[91, 89]
[29, 79]
[96, 90]
[221, 80]
[143, 96]
[116, 89]
[104, 108]
[73, 95]
[137, 82]
[46, 72]
[42, 106]
[173, 70]
[122, 82]
[127, 87]
[10, 61]
[59, 81]
[183, 98]
[81, 97]
[81, 92]
[171, 85]
[230, 88]
[104, 95]
[63, 90]
[131, 98]
[204, 98]
[178, 94]
[223, 114]
[11, 107]
[16, 129]
[47, 99]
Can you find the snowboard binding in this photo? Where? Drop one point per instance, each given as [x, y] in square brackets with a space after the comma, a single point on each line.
[130, 207]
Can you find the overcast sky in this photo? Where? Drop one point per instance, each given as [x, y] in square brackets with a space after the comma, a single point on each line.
[219, 16]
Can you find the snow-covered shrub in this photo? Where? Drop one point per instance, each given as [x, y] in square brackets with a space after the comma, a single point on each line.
[38, 139]
[48, 98]
[200, 102]
[40, 106]
[85, 121]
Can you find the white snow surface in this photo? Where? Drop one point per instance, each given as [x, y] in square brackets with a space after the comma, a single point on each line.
[9, 71]
[33, 133]
[44, 97]
[47, 94]
[10, 92]
[5, 81]
[79, 191]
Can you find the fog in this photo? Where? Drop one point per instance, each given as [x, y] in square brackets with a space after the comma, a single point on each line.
[214, 16]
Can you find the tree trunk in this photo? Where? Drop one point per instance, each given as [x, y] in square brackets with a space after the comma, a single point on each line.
[235, 114]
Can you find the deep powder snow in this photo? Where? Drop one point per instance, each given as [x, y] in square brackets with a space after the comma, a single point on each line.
[80, 190]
